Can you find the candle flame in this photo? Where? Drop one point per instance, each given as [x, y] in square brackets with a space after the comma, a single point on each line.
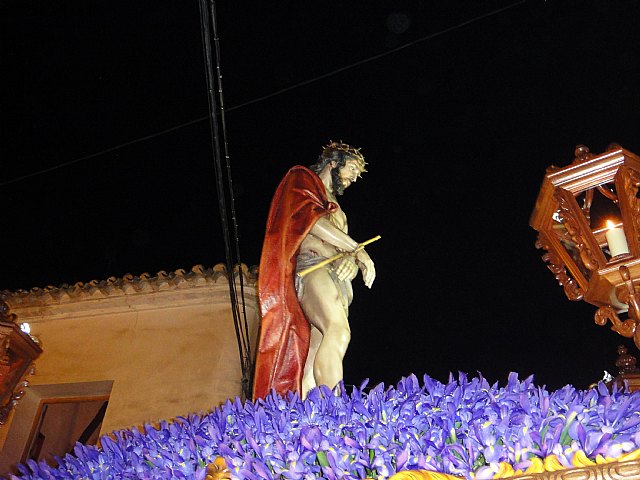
[610, 225]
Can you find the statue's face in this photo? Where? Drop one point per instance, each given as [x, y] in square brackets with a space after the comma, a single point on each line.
[349, 173]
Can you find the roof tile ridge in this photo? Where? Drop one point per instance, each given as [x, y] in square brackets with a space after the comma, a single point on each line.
[131, 284]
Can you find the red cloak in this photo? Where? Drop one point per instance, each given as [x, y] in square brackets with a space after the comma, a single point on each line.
[283, 343]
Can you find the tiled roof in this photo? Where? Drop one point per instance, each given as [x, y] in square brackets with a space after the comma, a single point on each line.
[127, 285]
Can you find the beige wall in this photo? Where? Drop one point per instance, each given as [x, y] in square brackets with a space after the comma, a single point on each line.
[167, 342]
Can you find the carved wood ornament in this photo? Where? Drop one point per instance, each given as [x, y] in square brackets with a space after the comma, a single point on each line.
[630, 185]
[17, 354]
[554, 263]
[576, 224]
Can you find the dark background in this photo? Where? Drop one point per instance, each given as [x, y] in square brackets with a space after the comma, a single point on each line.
[458, 128]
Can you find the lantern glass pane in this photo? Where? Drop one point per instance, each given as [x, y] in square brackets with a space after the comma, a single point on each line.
[568, 243]
[604, 207]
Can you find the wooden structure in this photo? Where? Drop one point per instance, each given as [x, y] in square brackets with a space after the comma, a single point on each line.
[18, 351]
[628, 371]
[592, 261]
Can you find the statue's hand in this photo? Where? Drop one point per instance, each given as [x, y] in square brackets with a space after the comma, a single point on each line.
[347, 268]
[367, 267]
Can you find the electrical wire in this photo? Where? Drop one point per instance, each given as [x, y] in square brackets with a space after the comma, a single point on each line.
[242, 326]
[270, 95]
[208, 23]
[246, 358]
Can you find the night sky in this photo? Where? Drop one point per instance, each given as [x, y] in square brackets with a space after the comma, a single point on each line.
[458, 127]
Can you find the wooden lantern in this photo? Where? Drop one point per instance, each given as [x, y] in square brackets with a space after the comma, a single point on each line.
[591, 261]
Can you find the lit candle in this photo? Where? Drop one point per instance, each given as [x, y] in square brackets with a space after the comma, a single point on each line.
[616, 240]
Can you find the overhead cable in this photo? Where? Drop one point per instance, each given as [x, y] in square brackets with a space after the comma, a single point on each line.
[218, 135]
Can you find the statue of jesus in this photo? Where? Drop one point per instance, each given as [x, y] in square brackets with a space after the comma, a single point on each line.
[305, 331]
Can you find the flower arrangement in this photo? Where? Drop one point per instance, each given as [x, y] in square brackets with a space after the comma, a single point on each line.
[466, 427]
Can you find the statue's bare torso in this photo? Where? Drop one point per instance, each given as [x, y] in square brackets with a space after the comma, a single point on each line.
[325, 293]
[316, 246]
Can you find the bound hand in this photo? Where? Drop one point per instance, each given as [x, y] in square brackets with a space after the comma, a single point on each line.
[347, 268]
[366, 266]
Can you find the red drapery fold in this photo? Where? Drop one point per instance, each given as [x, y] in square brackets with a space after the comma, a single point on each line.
[300, 200]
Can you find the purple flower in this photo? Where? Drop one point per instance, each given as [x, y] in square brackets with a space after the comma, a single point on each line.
[463, 427]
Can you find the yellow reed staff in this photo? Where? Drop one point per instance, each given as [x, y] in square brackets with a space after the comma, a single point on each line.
[337, 256]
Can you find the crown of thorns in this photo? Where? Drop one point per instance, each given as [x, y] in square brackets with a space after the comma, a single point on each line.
[349, 150]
